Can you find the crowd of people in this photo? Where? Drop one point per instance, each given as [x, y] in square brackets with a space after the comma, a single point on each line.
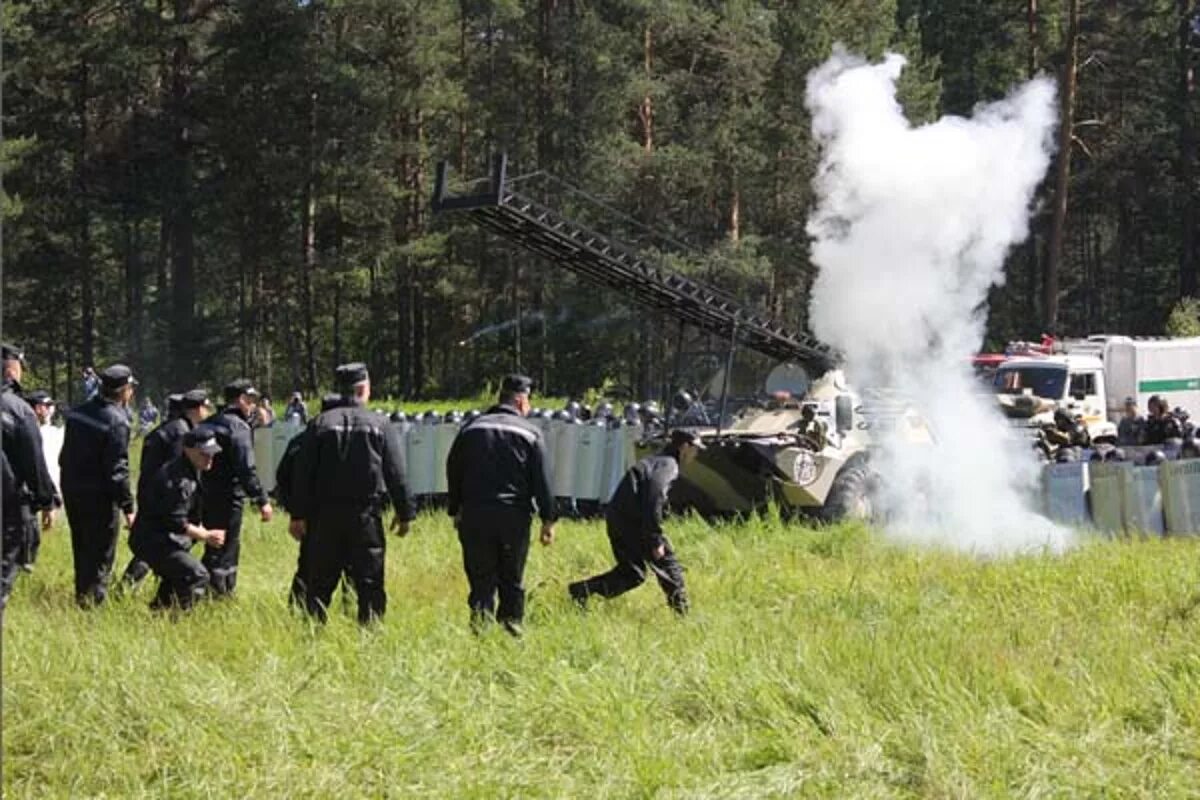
[335, 481]
[1162, 427]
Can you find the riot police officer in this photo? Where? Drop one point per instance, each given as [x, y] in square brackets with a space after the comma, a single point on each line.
[229, 483]
[634, 524]
[349, 466]
[163, 444]
[496, 472]
[1160, 424]
[165, 528]
[95, 478]
[29, 487]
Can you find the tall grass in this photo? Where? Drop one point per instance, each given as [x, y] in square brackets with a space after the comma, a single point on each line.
[817, 662]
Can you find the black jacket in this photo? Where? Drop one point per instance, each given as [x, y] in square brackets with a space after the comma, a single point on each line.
[499, 459]
[169, 501]
[233, 476]
[160, 446]
[349, 455]
[285, 472]
[95, 452]
[638, 503]
[22, 443]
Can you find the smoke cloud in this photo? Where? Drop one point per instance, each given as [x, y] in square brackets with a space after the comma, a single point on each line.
[911, 229]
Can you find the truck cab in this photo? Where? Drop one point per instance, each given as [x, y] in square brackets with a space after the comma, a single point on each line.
[1030, 388]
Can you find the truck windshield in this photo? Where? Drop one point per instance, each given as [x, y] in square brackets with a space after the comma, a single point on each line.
[1041, 381]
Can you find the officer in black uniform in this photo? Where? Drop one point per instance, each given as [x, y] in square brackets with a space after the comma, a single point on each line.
[30, 482]
[1160, 424]
[496, 472]
[184, 412]
[284, 492]
[230, 481]
[95, 480]
[166, 524]
[350, 464]
[634, 523]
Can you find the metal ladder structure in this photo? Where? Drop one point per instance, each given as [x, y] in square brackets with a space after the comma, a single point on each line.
[519, 210]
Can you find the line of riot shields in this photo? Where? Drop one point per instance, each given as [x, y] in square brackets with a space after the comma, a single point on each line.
[1133, 491]
[587, 457]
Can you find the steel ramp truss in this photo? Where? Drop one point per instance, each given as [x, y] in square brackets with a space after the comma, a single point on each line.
[516, 210]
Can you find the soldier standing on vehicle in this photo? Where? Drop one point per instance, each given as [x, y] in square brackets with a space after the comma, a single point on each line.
[166, 524]
[1130, 428]
[163, 444]
[811, 427]
[634, 522]
[95, 477]
[497, 477]
[349, 466]
[229, 483]
[29, 487]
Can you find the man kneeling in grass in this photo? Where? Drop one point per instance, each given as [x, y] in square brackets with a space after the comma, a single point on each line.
[634, 523]
[165, 527]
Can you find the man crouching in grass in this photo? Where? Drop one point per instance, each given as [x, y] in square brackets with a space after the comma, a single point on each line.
[165, 527]
[634, 522]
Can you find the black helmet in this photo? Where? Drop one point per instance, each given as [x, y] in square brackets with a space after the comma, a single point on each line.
[399, 416]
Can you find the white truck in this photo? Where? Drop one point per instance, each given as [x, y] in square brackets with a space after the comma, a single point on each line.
[1093, 376]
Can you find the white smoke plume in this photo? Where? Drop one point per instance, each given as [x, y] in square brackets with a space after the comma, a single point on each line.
[911, 229]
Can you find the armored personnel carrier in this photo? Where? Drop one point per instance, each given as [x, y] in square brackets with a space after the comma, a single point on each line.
[807, 446]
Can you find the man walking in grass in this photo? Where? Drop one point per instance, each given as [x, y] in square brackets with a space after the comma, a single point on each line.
[497, 477]
[95, 481]
[634, 522]
[231, 480]
[349, 466]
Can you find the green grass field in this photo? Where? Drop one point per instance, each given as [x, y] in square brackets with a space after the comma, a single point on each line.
[817, 663]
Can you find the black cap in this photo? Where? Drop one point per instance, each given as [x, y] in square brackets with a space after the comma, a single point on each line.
[116, 377]
[681, 437]
[193, 398]
[516, 384]
[10, 352]
[236, 389]
[348, 375]
[202, 439]
[174, 403]
[39, 398]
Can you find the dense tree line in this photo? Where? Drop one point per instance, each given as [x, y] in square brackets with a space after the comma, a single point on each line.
[210, 187]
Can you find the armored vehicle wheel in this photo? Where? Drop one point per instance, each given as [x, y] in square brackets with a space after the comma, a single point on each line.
[850, 495]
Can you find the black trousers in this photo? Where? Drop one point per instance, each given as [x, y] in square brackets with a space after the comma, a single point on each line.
[299, 588]
[33, 536]
[495, 545]
[95, 522]
[222, 562]
[343, 538]
[183, 580]
[12, 543]
[633, 556]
